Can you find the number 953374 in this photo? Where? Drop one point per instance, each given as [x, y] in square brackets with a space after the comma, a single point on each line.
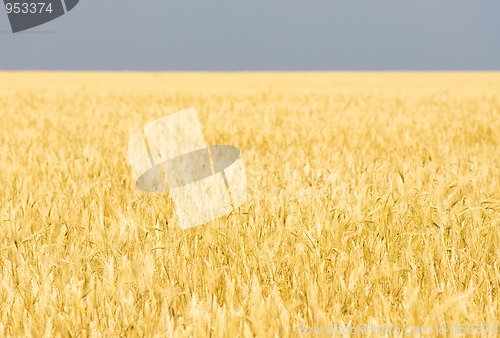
[28, 8]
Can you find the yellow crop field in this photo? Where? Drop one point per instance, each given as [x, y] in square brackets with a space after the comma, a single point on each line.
[373, 202]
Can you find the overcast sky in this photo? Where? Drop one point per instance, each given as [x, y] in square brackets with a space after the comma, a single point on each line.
[261, 35]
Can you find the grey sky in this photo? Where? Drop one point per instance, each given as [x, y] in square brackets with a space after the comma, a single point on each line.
[261, 35]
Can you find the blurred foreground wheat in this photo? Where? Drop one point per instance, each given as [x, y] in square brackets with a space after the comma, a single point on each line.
[373, 198]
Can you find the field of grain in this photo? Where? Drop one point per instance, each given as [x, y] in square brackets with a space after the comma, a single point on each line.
[372, 199]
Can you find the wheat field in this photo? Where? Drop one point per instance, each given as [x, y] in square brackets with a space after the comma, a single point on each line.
[373, 199]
